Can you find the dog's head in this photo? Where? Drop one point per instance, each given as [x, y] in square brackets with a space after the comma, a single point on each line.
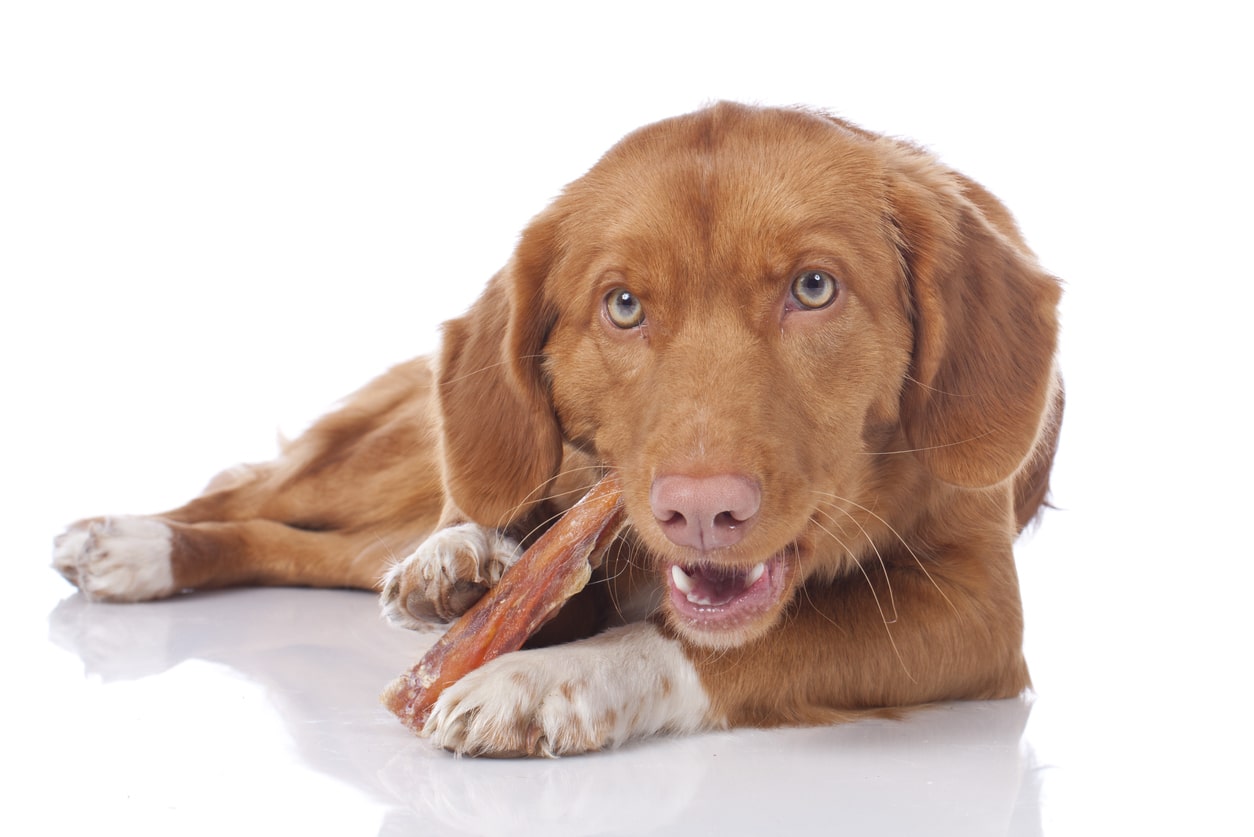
[778, 328]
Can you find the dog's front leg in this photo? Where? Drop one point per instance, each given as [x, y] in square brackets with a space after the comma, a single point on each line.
[592, 694]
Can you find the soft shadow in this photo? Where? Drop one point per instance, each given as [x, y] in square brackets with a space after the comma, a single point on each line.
[323, 656]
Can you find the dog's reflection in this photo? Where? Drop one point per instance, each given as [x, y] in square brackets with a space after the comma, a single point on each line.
[323, 656]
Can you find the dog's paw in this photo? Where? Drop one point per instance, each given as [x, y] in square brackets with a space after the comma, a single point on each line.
[446, 574]
[588, 695]
[116, 559]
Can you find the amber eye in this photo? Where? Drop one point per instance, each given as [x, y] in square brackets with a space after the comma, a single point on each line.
[623, 309]
[815, 289]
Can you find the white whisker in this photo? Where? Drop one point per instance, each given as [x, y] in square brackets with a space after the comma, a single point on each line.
[876, 597]
[532, 497]
[897, 535]
[892, 600]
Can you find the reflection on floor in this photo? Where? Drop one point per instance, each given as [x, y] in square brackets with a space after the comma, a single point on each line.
[315, 661]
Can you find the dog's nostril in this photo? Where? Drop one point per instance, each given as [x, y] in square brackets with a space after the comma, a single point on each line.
[674, 522]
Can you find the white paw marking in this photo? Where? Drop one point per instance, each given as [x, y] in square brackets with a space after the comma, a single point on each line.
[121, 559]
[445, 575]
[625, 683]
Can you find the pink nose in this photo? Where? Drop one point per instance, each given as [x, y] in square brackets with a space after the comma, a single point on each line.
[705, 512]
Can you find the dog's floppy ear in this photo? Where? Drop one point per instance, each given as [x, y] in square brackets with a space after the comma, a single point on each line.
[501, 440]
[982, 378]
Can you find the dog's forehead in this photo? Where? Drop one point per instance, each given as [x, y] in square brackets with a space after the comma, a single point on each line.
[723, 167]
[730, 192]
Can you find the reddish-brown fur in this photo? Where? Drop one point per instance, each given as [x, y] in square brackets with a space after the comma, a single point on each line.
[902, 438]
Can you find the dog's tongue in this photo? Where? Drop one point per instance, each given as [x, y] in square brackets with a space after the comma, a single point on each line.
[709, 586]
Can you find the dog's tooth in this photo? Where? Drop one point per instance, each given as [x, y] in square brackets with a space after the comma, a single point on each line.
[755, 574]
[683, 581]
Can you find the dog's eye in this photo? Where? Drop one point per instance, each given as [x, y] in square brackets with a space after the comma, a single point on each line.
[815, 289]
[623, 309]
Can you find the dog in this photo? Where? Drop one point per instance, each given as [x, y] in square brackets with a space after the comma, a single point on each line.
[823, 366]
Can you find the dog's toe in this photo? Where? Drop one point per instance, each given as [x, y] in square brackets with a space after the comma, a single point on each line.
[448, 573]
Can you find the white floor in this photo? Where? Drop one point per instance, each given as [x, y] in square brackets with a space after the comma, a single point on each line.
[255, 710]
[216, 219]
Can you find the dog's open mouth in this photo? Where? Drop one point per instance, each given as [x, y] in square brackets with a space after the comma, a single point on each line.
[713, 597]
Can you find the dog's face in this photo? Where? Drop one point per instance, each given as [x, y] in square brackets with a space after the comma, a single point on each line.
[734, 314]
[728, 311]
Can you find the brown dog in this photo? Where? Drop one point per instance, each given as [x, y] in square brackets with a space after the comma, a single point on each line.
[823, 366]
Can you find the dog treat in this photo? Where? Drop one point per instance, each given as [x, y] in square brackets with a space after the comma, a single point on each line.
[556, 567]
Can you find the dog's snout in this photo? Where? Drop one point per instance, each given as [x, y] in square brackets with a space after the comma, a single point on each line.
[705, 513]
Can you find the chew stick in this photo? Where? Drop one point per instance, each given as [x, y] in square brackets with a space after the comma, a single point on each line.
[556, 567]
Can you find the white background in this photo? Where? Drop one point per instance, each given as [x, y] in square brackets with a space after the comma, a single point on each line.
[218, 218]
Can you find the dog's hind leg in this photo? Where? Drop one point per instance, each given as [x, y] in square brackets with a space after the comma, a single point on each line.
[139, 558]
[348, 498]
